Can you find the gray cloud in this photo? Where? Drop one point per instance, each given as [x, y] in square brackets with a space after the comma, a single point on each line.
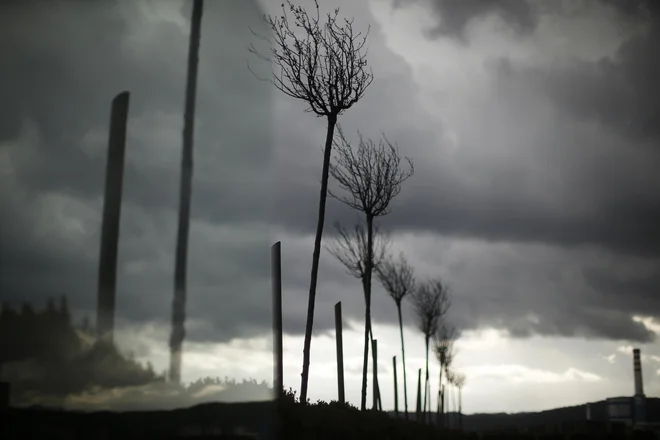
[526, 170]
[455, 17]
[54, 150]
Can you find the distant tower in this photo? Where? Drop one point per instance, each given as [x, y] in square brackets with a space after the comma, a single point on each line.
[107, 281]
[639, 400]
[637, 368]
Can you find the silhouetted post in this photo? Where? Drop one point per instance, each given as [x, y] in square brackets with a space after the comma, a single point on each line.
[114, 174]
[276, 277]
[396, 390]
[419, 395]
[178, 332]
[340, 353]
[278, 369]
[374, 352]
[442, 406]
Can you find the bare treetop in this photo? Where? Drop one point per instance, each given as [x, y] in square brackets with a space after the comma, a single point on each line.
[458, 379]
[431, 302]
[351, 249]
[397, 277]
[324, 64]
[444, 344]
[371, 174]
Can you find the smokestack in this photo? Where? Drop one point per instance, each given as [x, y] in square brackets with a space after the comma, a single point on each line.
[637, 368]
[107, 281]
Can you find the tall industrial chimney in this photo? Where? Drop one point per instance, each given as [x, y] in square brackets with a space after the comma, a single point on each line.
[639, 401]
[107, 281]
[637, 368]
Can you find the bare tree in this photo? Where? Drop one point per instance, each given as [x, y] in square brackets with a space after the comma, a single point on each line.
[324, 64]
[179, 302]
[431, 302]
[451, 398]
[351, 248]
[370, 176]
[459, 381]
[398, 279]
[443, 343]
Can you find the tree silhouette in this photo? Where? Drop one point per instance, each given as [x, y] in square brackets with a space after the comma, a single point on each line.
[443, 343]
[48, 341]
[398, 279]
[459, 382]
[431, 303]
[180, 270]
[352, 249]
[323, 64]
[370, 176]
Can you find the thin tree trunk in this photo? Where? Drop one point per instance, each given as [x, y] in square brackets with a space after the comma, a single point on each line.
[365, 359]
[371, 341]
[396, 388]
[426, 383]
[460, 408]
[429, 411]
[419, 396]
[367, 313]
[403, 359]
[448, 412]
[332, 122]
[453, 397]
[179, 302]
[374, 351]
[439, 414]
[442, 406]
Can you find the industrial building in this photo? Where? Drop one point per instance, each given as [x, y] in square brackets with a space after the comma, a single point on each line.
[615, 415]
[630, 410]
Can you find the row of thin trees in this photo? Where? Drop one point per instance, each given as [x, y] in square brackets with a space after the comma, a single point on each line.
[323, 63]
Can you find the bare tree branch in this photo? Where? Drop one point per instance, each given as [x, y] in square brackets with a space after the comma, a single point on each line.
[444, 344]
[323, 63]
[350, 247]
[431, 303]
[397, 277]
[371, 174]
[458, 379]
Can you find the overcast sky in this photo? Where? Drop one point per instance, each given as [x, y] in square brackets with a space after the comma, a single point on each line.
[534, 128]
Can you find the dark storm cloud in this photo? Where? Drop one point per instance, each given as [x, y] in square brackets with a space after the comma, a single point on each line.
[522, 16]
[549, 192]
[455, 16]
[621, 92]
[618, 213]
[68, 60]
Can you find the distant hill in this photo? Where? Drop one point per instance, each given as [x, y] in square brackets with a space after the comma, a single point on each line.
[485, 422]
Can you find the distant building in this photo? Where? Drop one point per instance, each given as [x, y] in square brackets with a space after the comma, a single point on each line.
[630, 410]
[620, 409]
